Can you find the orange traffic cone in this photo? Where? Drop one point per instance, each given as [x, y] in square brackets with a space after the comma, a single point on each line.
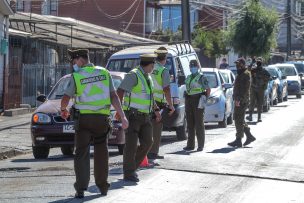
[145, 162]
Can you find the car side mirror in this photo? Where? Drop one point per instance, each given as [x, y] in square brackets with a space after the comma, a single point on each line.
[284, 77]
[41, 98]
[227, 86]
[301, 75]
[181, 80]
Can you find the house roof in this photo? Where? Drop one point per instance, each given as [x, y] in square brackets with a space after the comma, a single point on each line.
[71, 32]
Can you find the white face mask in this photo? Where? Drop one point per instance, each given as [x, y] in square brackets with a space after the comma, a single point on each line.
[194, 70]
[76, 68]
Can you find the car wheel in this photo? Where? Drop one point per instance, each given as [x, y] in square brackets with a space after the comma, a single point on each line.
[285, 98]
[299, 96]
[223, 124]
[121, 149]
[230, 119]
[181, 131]
[40, 152]
[67, 150]
[275, 101]
[280, 98]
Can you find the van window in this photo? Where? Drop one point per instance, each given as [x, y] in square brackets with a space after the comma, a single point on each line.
[123, 65]
[185, 65]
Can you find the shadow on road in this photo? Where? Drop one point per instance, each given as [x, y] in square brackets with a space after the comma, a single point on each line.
[224, 150]
[183, 152]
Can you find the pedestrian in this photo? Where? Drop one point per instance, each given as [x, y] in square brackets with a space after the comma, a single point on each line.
[136, 92]
[240, 97]
[260, 78]
[93, 90]
[224, 64]
[162, 97]
[196, 86]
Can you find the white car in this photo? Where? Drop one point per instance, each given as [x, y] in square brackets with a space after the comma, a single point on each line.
[219, 108]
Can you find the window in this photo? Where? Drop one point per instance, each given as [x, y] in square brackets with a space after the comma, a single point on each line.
[299, 8]
[20, 5]
[53, 5]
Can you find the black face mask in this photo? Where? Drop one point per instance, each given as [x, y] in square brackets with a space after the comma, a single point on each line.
[240, 71]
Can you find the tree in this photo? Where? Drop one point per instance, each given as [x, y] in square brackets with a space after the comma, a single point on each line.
[253, 31]
[212, 42]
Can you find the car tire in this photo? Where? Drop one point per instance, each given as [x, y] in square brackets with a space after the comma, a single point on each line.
[230, 119]
[299, 96]
[40, 152]
[181, 131]
[67, 150]
[121, 148]
[275, 102]
[285, 98]
[223, 124]
[280, 99]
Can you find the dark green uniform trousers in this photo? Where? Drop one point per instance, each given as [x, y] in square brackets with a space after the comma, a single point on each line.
[195, 121]
[140, 128]
[256, 98]
[93, 128]
[239, 119]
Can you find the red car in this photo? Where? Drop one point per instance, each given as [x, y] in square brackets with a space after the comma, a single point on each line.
[49, 130]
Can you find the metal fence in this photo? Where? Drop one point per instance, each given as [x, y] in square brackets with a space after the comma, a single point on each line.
[39, 79]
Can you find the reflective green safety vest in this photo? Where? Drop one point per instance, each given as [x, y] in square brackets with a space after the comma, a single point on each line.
[92, 90]
[141, 96]
[193, 86]
[158, 91]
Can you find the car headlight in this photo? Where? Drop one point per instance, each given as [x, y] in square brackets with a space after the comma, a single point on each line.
[41, 118]
[212, 100]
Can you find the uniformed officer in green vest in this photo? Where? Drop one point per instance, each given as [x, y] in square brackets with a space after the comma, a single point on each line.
[196, 86]
[93, 91]
[162, 97]
[136, 92]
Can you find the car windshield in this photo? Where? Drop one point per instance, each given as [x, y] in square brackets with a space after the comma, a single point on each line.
[272, 72]
[288, 71]
[125, 65]
[58, 91]
[212, 79]
[299, 67]
[225, 76]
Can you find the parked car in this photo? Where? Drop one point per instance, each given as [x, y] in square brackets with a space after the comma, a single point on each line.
[49, 130]
[279, 79]
[179, 56]
[300, 68]
[293, 79]
[229, 78]
[219, 108]
[273, 86]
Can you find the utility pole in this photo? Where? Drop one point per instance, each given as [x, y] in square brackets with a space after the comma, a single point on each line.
[186, 33]
[288, 29]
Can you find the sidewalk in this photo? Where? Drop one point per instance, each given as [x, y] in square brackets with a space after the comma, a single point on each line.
[14, 141]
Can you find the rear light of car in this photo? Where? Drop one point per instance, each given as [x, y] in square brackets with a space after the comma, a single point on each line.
[41, 118]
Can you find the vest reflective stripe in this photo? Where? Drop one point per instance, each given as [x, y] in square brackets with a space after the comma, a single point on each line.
[92, 90]
[158, 91]
[141, 97]
[193, 86]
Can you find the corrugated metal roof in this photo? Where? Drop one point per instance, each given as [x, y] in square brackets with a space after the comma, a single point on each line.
[84, 35]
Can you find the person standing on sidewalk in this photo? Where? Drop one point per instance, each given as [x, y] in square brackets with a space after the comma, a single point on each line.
[260, 78]
[240, 97]
[162, 97]
[196, 86]
[94, 93]
[136, 92]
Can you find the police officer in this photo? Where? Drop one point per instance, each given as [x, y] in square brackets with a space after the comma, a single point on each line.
[240, 97]
[136, 90]
[162, 96]
[260, 78]
[196, 86]
[93, 90]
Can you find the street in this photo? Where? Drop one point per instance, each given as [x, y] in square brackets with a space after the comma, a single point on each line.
[269, 170]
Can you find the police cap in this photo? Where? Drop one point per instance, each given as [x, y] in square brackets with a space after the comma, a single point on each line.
[78, 53]
[260, 59]
[161, 51]
[241, 60]
[148, 58]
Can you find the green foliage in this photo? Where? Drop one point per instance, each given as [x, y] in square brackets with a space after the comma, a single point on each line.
[253, 31]
[212, 42]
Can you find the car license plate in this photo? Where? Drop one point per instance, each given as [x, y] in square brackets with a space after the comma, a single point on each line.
[68, 129]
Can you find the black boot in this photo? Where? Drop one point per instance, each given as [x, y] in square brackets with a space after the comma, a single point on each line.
[259, 117]
[250, 137]
[236, 143]
[249, 118]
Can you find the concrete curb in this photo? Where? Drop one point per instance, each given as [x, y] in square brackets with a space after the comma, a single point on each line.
[8, 126]
[9, 153]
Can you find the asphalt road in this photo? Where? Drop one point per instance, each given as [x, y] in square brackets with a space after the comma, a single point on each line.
[269, 170]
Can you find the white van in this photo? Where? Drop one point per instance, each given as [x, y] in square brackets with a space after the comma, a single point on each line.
[179, 56]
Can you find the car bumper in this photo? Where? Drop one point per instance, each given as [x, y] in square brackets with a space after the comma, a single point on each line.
[214, 113]
[294, 89]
